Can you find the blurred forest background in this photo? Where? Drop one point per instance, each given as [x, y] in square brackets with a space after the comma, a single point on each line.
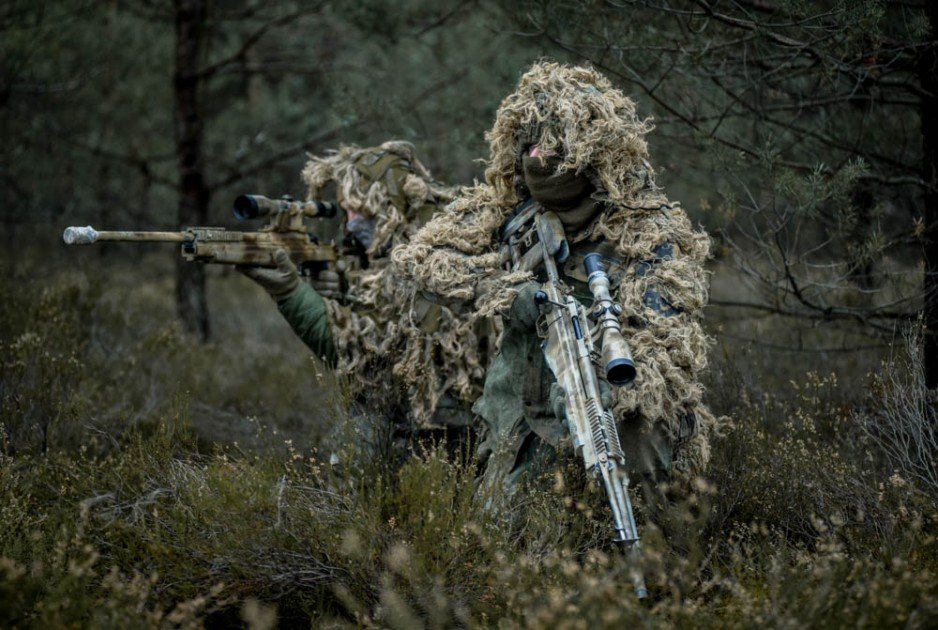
[159, 420]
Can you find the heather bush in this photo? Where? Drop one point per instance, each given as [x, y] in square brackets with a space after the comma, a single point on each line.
[83, 360]
[118, 509]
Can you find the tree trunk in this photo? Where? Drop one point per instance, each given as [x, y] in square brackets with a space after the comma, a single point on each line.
[193, 192]
[928, 75]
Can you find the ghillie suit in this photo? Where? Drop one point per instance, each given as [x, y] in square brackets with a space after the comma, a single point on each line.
[575, 114]
[384, 339]
[387, 184]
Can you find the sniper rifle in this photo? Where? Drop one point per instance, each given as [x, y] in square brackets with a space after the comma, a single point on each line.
[285, 230]
[577, 344]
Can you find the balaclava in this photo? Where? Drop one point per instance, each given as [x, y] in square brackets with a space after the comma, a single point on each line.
[567, 193]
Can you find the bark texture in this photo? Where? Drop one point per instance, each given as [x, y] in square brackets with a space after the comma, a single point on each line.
[194, 194]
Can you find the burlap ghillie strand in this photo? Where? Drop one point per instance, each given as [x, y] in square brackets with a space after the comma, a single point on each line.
[374, 334]
[576, 113]
[456, 255]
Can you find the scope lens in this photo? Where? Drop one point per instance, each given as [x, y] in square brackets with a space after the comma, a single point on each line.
[620, 372]
[245, 207]
[593, 262]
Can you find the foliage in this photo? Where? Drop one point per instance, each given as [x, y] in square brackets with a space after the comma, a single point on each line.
[88, 94]
[799, 130]
[803, 519]
[84, 361]
[902, 426]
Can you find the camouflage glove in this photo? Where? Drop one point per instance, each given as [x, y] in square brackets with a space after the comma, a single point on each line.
[524, 310]
[280, 282]
[558, 398]
[327, 284]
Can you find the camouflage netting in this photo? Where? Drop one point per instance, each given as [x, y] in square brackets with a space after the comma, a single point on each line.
[576, 113]
[375, 333]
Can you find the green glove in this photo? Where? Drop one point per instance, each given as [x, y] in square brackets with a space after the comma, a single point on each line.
[280, 282]
[328, 284]
[524, 310]
[558, 398]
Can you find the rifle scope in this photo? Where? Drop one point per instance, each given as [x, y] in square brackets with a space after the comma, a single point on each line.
[616, 356]
[255, 206]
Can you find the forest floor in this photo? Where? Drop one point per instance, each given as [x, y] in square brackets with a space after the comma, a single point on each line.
[148, 480]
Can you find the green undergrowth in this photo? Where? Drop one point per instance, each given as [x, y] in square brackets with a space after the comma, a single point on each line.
[118, 510]
[89, 356]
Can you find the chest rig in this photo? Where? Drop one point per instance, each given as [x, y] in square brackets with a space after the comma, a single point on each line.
[522, 250]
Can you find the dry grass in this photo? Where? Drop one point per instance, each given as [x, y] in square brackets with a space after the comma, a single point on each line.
[128, 495]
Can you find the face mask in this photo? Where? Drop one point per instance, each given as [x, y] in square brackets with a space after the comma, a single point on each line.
[363, 229]
[567, 194]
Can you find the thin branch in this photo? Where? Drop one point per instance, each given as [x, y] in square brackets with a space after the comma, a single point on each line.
[782, 312]
[143, 165]
[801, 347]
[280, 156]
[254, 38]
[458, 6]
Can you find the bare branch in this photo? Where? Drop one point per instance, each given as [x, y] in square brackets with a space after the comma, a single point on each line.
[254, 38]
[280, 156]
[458, 7]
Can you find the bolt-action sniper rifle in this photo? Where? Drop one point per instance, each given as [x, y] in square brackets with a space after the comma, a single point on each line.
[285, 230]
[576, 344]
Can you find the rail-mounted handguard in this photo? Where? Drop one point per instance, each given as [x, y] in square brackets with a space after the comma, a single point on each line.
[575, 344]
[285, 230]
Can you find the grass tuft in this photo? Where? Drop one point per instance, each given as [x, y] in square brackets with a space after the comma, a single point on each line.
[122, 504]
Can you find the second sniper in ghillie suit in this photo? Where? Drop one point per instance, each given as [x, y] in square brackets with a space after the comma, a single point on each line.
[414, 364]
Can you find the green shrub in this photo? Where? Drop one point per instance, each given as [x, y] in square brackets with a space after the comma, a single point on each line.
[118, 505]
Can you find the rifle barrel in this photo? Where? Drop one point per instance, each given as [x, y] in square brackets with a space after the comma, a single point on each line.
[87, 235]
[153, 237]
